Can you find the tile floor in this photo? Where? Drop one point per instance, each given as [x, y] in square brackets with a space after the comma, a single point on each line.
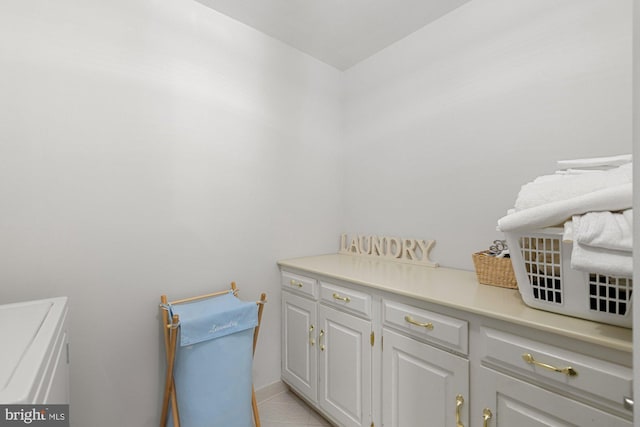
[288, 410]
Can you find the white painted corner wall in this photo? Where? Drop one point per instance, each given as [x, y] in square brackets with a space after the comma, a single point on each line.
[443, 127]
[155, 147]
[151, 147]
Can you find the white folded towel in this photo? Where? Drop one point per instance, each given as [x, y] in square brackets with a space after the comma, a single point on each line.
[602, 242]
[605, 230]
[615, 198]
[602, 261]
[595, 162]
[551, 188]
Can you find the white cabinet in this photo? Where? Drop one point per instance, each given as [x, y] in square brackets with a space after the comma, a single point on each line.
[422, 385]
[529, 383]
[327, 348]
[517, 403]
[447, 351]
[299, 356]
[344, 342]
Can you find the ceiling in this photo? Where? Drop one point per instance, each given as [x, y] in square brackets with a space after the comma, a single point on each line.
[338, 32]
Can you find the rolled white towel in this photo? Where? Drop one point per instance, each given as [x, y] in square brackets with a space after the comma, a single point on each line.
[595, 162]
[606, 230]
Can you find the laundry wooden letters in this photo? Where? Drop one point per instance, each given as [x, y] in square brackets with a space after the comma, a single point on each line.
[412, 251]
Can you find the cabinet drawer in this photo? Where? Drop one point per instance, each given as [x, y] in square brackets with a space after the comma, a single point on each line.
[349, 299]
[440, 329]
[300, 284]
[582, 375]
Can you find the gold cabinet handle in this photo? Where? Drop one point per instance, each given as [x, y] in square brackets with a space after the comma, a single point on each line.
[459, 402]
[569, 371]
[411, 320]
[341, 298]
[311, 340]
[321, 340]
[295, 283]
[486, 416]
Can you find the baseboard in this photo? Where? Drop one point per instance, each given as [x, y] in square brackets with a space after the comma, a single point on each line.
[268, 391]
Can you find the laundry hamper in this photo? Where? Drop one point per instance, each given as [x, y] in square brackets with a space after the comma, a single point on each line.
[542, 266]
[211, 362]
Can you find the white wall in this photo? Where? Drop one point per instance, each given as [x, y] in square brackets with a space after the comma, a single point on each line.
[443, 127]
[151, 147]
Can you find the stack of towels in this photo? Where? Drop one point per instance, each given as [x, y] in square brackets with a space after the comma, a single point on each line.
[592, 199]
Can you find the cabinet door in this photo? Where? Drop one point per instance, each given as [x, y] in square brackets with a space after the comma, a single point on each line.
[344, 389]
[421, 384]
[516, 403]
[299, 355]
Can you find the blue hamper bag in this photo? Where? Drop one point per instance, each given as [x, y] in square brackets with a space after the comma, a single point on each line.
[213, 365]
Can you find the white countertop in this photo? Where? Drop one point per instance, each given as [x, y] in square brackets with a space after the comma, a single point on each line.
[460, 290]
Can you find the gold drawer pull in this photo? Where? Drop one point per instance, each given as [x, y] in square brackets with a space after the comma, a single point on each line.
[459, 402]
[569, 371]
[411, 320]
[311, 340]
[296, 283]
[321, 340]
[341, 298]
[486, 416]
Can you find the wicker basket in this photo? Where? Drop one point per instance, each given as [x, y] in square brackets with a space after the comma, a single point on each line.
[494, 271]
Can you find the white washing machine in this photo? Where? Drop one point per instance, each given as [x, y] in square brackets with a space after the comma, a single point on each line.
[34, 352]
